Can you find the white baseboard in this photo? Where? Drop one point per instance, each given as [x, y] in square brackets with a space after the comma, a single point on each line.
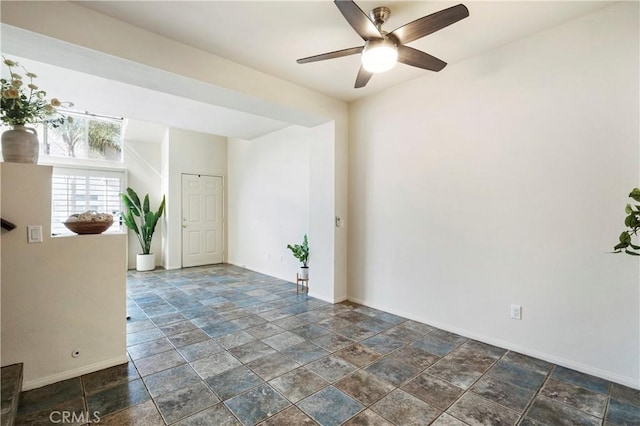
[64, 375]
[341, 299]
[588, 369]
[311, 293]
[327, 299]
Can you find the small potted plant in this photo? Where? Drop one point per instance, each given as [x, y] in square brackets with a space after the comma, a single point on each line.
[23, 102]
[140, 219]
[301, 252]
[632, 221]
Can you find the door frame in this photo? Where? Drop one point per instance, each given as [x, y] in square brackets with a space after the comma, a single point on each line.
[224, 215]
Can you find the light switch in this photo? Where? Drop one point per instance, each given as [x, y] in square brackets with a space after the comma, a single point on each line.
[34, 233]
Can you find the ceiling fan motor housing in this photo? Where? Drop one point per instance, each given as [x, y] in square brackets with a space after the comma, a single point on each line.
[380, 15]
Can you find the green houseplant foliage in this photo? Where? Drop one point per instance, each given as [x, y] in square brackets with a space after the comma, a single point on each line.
[632, 222]
[139, 218]
[301, 251]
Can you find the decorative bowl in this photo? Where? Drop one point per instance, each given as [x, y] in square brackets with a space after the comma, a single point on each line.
[93, 227]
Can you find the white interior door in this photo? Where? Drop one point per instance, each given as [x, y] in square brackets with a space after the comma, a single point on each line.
[202, 220]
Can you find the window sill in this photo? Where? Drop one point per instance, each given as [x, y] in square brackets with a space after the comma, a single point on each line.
[46, 160]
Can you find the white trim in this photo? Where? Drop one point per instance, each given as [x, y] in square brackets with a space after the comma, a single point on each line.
[171, 268]
[72, 170]
[52, 160]
[130, 150]
[327, 299]
[69, 374]
[633, 382]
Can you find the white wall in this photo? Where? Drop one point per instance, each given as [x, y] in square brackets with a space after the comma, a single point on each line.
[328, 257]
[191, 153]
[260, 93]
[277, 192]
[502, 180]
[164, 172]
[268, 192]
[61, 295]
[143, 163]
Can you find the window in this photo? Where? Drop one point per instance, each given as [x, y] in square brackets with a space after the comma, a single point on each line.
[85, 136]
[76, 190]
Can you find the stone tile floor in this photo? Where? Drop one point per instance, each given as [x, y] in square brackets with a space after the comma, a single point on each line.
[222, 345]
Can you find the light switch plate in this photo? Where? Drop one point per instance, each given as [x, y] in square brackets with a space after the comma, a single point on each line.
[34, 233]
[516, 312]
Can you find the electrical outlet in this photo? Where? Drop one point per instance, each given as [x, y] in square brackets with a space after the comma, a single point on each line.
[516, 312]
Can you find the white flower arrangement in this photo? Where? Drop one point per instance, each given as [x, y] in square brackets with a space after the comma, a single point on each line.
[26, 103]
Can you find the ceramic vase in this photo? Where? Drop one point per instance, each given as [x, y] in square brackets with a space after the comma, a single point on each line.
[20, 145]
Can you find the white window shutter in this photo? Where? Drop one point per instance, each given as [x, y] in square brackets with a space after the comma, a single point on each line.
[76, 190]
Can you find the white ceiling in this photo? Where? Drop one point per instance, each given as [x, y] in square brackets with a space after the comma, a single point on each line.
[270, 35]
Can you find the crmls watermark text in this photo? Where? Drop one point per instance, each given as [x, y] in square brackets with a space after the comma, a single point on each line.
[81, 417]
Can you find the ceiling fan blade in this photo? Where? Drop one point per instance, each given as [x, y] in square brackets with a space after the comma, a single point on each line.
[416, 58]
[429, 24]
[363, 78]
[358, 20]
[331, 55]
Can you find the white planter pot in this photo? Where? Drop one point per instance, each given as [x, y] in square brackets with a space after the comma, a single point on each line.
[145, 262]
[304, 272]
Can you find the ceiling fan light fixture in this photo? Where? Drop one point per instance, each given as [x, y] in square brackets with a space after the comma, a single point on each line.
[379, 55]
[382, 50]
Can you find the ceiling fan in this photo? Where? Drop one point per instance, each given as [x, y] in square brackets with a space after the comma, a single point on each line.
[381, 49]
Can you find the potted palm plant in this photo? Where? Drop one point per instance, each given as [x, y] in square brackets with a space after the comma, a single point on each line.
[140, 219]
[301, 252]
[632, 221]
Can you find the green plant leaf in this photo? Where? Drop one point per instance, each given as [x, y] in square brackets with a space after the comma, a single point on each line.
[301, 252]
[628, 209]
[625, 237]
[632, 253]
[150, 223]
[130, 222]
[134, 198]
[128, 204]
[161, 208]
[145, 204]
[635, 194]
[620, 246]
